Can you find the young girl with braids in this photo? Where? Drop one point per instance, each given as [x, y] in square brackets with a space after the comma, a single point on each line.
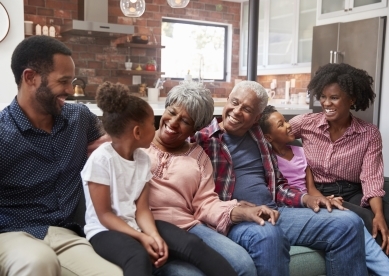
[343, 151]
[119, 223]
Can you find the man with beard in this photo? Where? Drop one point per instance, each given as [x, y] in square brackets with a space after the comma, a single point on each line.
[43, 147]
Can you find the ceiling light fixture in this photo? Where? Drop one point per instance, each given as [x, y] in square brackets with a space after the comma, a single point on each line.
[133, 8]
[178, 3]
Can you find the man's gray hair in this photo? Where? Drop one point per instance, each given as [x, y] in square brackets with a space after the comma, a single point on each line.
[196, 99]
[255, 87]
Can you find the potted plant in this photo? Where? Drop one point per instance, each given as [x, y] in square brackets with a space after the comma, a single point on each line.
[151, 65]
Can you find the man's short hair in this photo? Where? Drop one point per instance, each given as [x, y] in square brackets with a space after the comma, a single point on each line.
[36, 52]
[255, 87]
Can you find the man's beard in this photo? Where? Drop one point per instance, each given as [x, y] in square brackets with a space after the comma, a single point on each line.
[47, 99]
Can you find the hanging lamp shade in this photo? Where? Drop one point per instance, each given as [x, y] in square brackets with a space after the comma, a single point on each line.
[132, 8]
[178, 3]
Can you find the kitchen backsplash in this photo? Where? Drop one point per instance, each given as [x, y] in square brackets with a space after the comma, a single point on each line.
[301, 83]
[222, 89]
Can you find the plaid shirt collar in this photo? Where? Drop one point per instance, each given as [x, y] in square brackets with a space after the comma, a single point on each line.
[355, 126]
[214, 128]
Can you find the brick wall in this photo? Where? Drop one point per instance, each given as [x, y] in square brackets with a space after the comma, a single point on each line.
[99, 59]
[302, 81]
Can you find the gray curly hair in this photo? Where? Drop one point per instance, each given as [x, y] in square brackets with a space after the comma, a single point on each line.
[196, 99]
[255, 87]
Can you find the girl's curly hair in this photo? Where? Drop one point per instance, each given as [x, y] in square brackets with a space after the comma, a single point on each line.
[355, 82]
[264, 119]
[119, 107]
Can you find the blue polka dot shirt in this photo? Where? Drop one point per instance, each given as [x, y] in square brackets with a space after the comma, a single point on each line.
[40, 183]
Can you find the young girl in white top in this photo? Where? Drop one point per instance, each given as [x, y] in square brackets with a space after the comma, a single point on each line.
[119, 223]
[293, 166]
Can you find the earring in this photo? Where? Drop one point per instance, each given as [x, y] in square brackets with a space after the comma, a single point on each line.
[352, 107]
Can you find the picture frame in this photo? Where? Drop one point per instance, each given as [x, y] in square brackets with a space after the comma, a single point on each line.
[4, 22]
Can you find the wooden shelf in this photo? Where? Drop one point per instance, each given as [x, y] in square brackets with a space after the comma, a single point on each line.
[143, 72]
[138, 45]
[60, 38]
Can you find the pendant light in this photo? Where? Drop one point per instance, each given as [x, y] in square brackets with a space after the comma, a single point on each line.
[132, 8]
[178, 3]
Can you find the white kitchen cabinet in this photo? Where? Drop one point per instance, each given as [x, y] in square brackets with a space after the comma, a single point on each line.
[335, 8]
[284, 36]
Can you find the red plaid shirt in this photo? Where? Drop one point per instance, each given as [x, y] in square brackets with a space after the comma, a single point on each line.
[210, 138]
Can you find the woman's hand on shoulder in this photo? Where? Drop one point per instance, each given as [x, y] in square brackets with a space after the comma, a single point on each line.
[156, 248]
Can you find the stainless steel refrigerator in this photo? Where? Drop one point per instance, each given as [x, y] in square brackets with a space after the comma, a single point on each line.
[358, 43]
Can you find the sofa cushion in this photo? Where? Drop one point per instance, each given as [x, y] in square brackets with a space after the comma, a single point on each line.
[306, 261]
[303, 262]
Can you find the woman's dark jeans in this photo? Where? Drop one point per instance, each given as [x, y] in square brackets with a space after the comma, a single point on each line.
[352, 195]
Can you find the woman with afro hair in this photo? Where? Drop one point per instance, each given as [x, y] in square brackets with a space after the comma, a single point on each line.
[344, 152]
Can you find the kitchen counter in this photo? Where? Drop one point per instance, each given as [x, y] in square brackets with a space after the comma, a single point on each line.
[159, 107]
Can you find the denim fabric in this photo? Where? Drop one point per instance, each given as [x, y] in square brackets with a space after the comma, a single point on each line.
[232, 252]
[376, 261]
[236, 255]
[267, 246]
[345, 189]
[178, 268]
[339, 234]
[250, 235]
[352, 194]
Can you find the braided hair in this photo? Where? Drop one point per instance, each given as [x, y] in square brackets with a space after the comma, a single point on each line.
[355, 82]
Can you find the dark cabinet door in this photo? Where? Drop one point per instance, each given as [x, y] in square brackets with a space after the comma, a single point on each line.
[361, 45]
[325, 43]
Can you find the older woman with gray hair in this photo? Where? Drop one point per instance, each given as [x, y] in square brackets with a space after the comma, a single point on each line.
[182, 186]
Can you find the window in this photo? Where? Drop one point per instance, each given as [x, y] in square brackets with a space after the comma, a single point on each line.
[196, 47]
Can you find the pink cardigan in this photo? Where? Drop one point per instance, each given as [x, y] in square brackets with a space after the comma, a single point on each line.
[182, 190]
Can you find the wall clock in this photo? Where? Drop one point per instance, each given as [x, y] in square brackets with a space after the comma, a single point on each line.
[4, 22]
